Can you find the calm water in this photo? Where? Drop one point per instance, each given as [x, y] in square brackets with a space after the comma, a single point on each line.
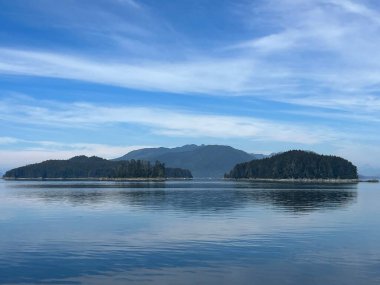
[190, 232]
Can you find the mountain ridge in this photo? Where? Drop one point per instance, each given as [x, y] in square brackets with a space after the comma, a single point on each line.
[204, 161]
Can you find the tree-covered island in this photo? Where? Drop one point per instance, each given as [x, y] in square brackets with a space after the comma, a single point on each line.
[296, 164]
[83, 167]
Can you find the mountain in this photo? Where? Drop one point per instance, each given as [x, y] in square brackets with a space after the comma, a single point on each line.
[369, 171]
[296, 164]
[96, 167]
[202, 160]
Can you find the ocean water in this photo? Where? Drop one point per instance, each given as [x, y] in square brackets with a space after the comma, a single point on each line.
[189, 232]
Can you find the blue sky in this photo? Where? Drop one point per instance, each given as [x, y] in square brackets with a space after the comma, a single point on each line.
[108, 76]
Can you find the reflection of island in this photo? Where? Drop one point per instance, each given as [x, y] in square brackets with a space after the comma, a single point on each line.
[308, 200]
[199, 197]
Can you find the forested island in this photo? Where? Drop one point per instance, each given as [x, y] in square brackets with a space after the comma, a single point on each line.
[296, 164]
[83, 167]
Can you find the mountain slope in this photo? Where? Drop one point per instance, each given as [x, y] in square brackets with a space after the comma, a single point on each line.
[296, 164]
[202, 161]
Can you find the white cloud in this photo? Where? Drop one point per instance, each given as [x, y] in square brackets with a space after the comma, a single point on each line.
[8, 140]
[37, 151]
[203, 76]
[162, 121]
[329, 47]
[324, 48]
[271, 43]
[358, 8]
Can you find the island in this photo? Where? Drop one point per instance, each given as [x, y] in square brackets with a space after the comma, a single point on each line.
[83, 167]
[297, 165]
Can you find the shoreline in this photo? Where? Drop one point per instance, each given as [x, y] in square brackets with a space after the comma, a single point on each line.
[93, 179]
[331, 181]
[305, 180]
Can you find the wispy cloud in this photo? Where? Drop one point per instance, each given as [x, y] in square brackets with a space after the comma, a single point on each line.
[223, 77]
[31, 151]
[8, 140]
[358, 9]
[123, 27]
[193, 76]
[132, 3]
[320, 57]
[329, 48]
[326, 47]
[161, 121]
[368, 106]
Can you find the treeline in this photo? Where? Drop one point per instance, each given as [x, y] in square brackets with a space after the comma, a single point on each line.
[96, 167]
[296, 164]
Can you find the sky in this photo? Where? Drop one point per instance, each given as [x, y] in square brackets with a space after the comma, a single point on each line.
[109, 76]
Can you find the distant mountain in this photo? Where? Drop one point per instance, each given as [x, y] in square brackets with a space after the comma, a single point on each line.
[95, 167]
[202, 160]
[369, 171]
[366, 178]
[296, 164]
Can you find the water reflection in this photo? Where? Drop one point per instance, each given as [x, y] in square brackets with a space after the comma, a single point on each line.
[196, 196]
[157, 233]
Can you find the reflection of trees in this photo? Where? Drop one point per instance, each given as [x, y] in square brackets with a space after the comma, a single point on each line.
[199, 197]
[306, 200]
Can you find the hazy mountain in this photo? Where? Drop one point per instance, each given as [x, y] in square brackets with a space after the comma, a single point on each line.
[296, 164]
[202, 161]
[369, 171]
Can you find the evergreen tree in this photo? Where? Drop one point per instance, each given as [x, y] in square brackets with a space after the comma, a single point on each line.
[296, 164]
[95, 167]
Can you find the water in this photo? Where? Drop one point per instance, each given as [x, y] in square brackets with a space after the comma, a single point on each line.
[191, 232]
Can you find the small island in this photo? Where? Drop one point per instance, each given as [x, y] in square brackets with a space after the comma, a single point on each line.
[83, 167]
[297, 165]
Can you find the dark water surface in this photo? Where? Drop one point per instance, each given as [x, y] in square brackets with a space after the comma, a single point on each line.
[191, 232]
